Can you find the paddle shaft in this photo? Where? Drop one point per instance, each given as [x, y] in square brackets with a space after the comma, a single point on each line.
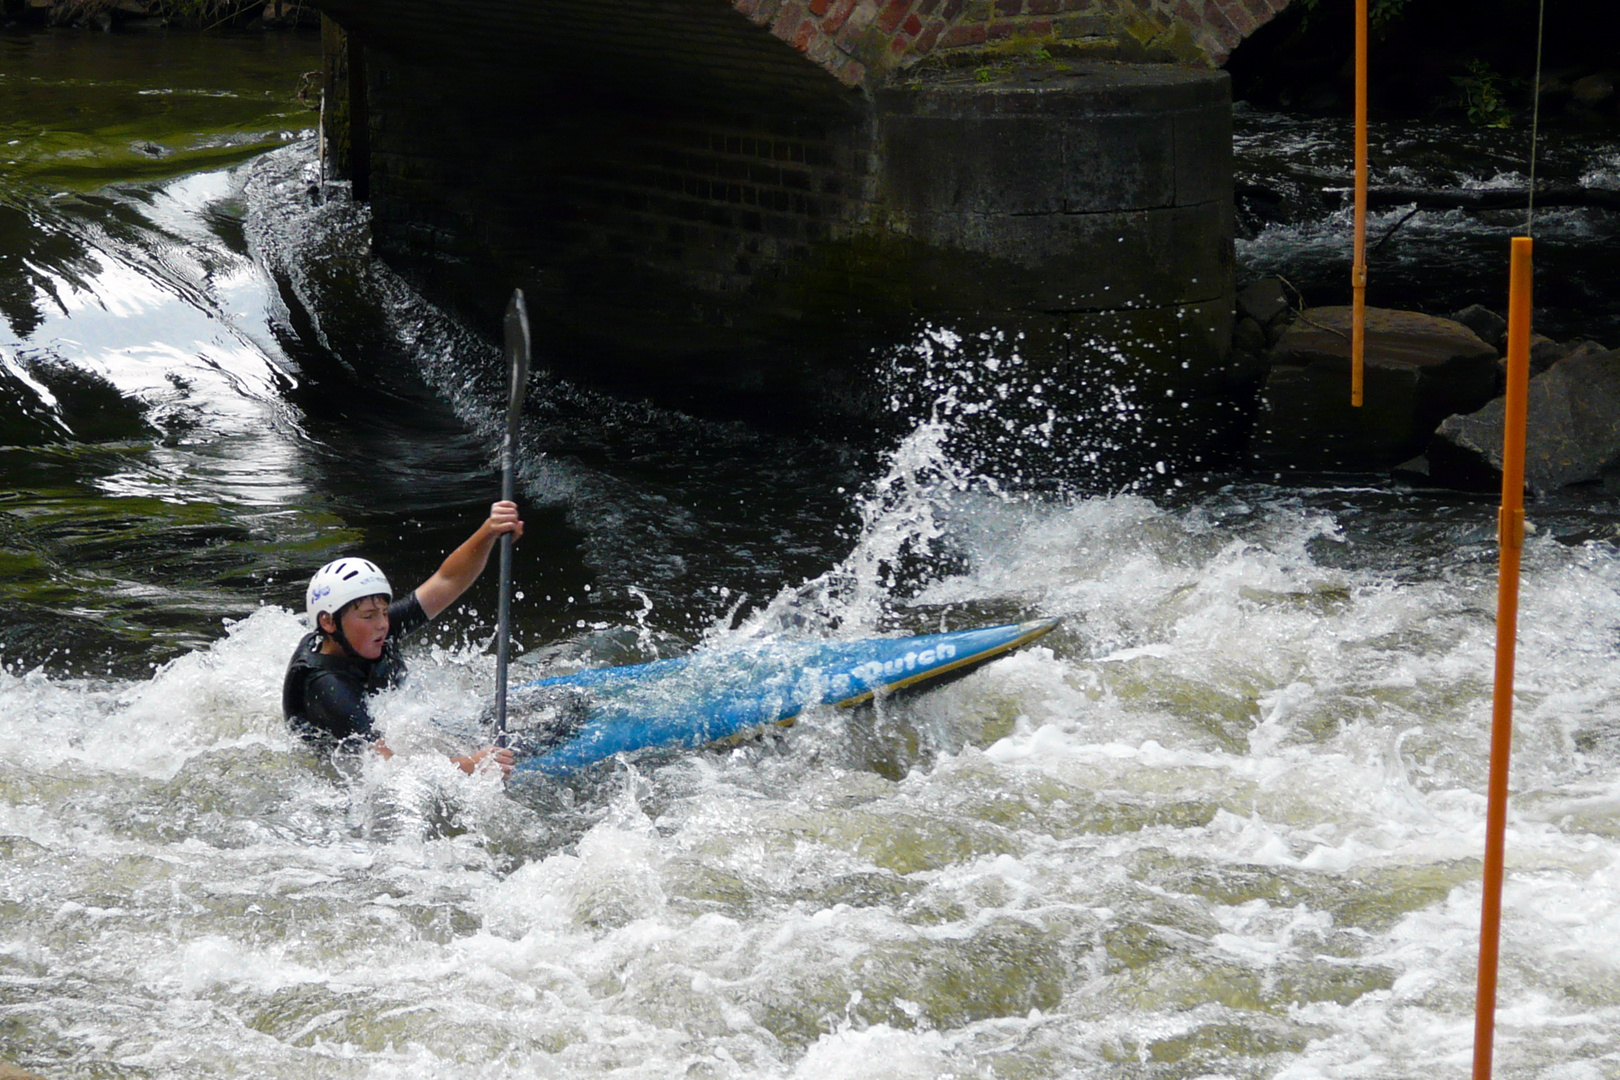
[517, 356]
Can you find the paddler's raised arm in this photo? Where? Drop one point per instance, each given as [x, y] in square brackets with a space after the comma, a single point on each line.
[463, 565]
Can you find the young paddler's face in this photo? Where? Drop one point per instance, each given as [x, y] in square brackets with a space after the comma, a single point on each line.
[365, 625]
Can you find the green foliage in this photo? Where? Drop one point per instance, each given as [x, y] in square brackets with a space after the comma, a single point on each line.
[1384, 12]
[1381, 14]
[183, 12]
[1482, 95]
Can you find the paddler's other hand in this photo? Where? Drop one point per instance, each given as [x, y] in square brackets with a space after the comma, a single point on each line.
[501, 756]
[503, 518]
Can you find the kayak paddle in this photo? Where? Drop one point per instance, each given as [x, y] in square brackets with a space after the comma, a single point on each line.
[517, 364]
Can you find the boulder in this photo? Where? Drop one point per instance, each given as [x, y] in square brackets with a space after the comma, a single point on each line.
[1544, 353]
[1490, 326]
[1418, 370]
[1264, 301]
[1579, 347]
[1572, 432]
[1593, 89]
[280, 13]
[1248, 335]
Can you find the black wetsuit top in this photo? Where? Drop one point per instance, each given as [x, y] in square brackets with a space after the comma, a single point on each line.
[324, 697]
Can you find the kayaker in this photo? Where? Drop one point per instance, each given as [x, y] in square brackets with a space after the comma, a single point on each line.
[352, 649]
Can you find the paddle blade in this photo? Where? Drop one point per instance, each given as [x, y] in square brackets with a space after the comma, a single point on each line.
[517, 354]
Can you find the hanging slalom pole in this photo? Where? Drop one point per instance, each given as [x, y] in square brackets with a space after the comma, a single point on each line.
[1358, 266]
[1510, 539]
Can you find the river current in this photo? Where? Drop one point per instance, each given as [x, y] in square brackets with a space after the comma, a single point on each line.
[1226, 822]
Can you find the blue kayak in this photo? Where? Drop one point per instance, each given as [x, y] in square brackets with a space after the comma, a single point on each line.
[710, 695]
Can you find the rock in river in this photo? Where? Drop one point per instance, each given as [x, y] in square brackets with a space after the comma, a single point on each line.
[1419, 369]
[1572, 431]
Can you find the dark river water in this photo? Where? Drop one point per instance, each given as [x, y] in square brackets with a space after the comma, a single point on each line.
[1226, 822]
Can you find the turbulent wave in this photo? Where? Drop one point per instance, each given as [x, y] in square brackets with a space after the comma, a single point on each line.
[1228, 821]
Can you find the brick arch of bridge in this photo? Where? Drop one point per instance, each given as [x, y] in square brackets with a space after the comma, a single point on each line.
[736, 45]
[857, 40]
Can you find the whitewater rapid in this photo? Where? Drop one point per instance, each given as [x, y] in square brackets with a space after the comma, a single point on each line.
[1228, 822]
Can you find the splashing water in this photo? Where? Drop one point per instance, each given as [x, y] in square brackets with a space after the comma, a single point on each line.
[1228, 821]
[897, 541]
[1083, 423]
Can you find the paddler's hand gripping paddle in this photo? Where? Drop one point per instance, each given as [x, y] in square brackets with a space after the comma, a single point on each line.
[517, 366]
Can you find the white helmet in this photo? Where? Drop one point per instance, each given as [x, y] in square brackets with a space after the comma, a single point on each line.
[342, 582]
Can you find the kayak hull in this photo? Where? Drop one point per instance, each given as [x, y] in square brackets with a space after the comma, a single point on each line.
[711, 695]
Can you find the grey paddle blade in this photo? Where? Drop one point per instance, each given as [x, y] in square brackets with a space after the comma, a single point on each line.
[517, 354]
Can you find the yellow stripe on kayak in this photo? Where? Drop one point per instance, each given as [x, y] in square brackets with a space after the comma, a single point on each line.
[1028, 633]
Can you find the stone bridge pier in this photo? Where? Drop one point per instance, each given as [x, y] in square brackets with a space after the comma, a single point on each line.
[755, 205]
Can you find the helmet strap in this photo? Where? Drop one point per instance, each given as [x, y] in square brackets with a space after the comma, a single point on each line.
[343, 643]
[339, 636]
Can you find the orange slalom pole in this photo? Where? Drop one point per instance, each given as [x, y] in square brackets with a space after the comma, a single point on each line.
[1510, 537]
[1358, 268]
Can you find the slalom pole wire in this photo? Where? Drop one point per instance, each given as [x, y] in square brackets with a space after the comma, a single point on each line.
[1358, 268]
[1535, 123]
[1510, 540]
